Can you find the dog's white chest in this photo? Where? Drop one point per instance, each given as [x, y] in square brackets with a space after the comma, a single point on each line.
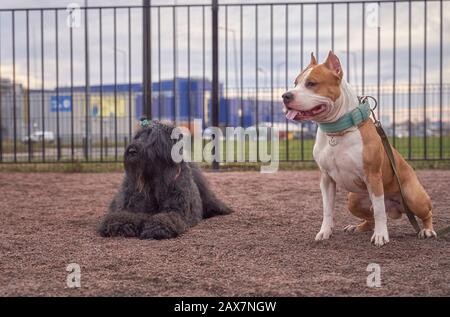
[342, 158]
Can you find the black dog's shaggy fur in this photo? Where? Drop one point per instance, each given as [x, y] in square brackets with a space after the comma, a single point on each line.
[158, 198]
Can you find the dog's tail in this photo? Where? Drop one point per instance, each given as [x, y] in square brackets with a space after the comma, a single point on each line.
[212, 206]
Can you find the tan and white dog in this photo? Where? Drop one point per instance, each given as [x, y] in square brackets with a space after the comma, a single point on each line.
[353, 159]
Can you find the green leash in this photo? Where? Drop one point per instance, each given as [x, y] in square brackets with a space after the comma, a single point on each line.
[388, 148]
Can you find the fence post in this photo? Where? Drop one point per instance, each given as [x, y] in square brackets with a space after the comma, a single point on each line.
[58, 147]
[215, 73]
[106, 147]
[85, 148]
[147, 59]
[87, 92]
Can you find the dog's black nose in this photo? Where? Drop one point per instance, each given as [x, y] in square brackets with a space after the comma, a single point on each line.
[287, 97]
[132, 151]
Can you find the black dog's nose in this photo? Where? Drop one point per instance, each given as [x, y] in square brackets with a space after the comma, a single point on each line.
[287, 97]
[132, 150]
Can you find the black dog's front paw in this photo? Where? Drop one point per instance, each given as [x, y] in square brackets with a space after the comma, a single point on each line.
[156, 231]
[225, 210]
[116, 228]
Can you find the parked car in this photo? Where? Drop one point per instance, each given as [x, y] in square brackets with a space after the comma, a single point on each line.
[37, 136]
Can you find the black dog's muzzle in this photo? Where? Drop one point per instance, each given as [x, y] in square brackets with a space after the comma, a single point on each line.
[131, 153]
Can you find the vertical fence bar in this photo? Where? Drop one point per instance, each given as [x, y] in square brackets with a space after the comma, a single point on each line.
[226, 69]
[203, 67]
[271, 66]
[378, 61]
[441, 65]
[256, 82]
[130, 112]
[286, 59]
[348, 42]
[72, 140]
[87, 92]
[159, 65]
[425, 152]
[160, 109]
[174, 83]
[317, 30]
[27, 25]
[147, 59]
[42, 86]
[409, 81]
[106, 146]
[1, 96]
[241, 110]
[115, 85]
[58, 136]
[100, 18]
[215, 74]
[13, 38]
[394, 73]
[189, 65]
[302, 137]
[363, 49]
[332, 26]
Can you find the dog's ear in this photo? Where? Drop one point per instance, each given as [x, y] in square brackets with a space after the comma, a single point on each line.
[162, 144]
[313, 60]
[333, 63]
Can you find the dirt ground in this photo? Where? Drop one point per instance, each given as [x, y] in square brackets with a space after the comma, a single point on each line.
[265, 248]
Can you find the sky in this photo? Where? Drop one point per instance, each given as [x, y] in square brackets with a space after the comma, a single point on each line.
[255, 67]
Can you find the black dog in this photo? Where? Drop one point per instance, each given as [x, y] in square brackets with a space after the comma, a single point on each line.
[159, 198]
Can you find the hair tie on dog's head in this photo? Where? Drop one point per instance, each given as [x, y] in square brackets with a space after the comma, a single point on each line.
[145, 122]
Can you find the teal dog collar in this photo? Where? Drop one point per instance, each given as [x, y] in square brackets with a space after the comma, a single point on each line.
[348, 120]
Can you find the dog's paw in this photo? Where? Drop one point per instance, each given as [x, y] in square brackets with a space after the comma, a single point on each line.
[351, 228]
[225, 211]
[156, 231]
[426, 233]
[380, 237]
[362, 227]
[113, 229]
[324, 234]
[217, 210]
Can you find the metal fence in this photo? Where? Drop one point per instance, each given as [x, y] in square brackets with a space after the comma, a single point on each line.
[74, 81]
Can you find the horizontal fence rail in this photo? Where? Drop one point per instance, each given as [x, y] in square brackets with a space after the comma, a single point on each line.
[74, 82]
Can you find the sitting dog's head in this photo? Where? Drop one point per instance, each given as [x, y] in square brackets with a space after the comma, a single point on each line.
[150, 150]
[316, 90]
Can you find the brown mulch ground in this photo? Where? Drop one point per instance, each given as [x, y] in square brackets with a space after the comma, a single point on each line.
[265, 248]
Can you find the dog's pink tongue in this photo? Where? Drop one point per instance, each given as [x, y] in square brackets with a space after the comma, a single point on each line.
[291, 114]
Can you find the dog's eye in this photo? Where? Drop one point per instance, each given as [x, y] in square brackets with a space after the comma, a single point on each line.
[310, 84]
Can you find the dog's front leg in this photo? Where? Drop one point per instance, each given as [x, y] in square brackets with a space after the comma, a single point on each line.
[328, 189]
[376, 192]
[164, 225]
[121, 223]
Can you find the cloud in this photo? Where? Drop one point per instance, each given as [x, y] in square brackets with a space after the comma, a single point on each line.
[293, 41]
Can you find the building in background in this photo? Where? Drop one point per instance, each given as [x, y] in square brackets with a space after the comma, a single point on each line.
[115, 110]
[12, 114]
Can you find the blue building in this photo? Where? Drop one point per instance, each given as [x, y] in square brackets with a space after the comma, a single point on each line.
[114, 109]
